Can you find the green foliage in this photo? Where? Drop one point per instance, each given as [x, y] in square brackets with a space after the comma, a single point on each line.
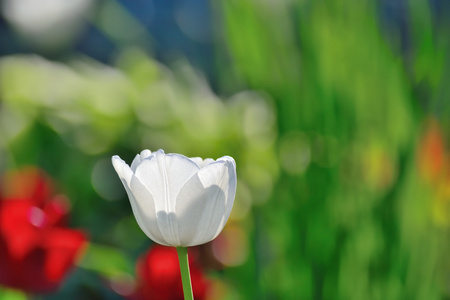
[342, 92]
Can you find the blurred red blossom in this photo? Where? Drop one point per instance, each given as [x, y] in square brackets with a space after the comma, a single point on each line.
[431, 154]
[36, 247]
[159, 276]
[433, 163]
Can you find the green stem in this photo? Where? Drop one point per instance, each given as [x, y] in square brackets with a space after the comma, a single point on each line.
[185, 276]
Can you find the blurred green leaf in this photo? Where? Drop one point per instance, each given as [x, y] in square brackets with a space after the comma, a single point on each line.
[9, 294]
[107, 261]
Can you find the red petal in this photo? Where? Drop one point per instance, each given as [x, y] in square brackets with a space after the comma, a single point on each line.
[19, 234]
[160, 278]
[56, 210]
[63, 247]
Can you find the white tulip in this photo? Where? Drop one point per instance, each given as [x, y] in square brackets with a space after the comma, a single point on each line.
[176, 200]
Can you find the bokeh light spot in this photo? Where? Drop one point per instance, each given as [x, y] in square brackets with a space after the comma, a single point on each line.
[295, 152]
[231, 247]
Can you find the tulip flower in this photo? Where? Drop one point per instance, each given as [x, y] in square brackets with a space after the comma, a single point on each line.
[158, 276]
[176, 200]
[36, 248]
[179, 201]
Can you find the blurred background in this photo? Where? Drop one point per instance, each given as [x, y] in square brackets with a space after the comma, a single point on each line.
[336, 112]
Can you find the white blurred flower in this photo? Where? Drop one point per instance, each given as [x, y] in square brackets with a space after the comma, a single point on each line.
[176, 200]
[47, 23]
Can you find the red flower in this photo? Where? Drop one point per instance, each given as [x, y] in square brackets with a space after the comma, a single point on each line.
[159, 276]
[36, 249]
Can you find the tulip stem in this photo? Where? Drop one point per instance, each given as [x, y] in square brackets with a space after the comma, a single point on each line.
[185, 276]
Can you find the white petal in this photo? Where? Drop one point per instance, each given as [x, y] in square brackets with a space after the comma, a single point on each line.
[143, 206]
[197, 160]
[204, 203]
[200, 162]
[227, 158]
[118, 165]
[164, 176]
[136, 162]
[145, 153]
[207, 161]
[139, 158]
[141, 201]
